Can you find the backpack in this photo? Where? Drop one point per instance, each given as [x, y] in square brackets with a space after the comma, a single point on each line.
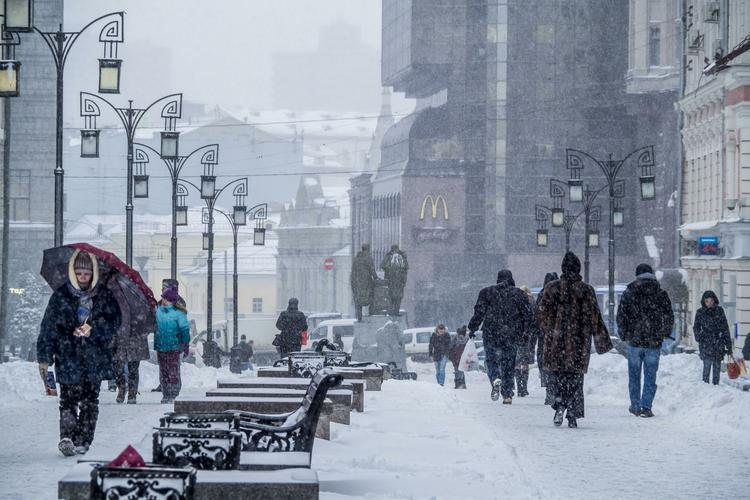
[397, 261]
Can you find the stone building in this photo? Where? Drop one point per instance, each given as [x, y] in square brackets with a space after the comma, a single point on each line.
[502, 89]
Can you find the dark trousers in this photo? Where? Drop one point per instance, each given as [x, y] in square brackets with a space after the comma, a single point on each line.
[79, 411]
[169, 373]
[127, 381]
[714, 364]
[358, 312]
[568, 392]
[500, 362]
[459, 378]
[522, 380]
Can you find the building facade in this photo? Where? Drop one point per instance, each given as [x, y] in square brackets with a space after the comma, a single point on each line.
[502, 90]
[715, 188]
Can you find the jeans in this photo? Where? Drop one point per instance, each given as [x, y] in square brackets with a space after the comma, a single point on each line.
[440, 369]
[79, 411]
[708, 364]
[501, 362]
[646, 360]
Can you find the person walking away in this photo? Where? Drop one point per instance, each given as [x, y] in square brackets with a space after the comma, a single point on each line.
[711, 331]
[569, 314]
[458, 343]
[75, 336]
[246, 353]
[525, 354]
[503, 314]
[549, 397]
[130, 347]
[644, 320]
[440, 346]
[291, 323]
[171, 340]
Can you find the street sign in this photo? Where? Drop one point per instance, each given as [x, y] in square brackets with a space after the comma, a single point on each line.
[328, 263]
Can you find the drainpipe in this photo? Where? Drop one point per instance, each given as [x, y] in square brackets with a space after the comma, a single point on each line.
[680, 124]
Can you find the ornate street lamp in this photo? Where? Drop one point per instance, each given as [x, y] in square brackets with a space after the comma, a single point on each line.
[89, 143]
[19, 15]
[618, 217]
[558, 217]
[542, 237]
[259, 236]
[648, 187]
[208, 186]
[140, 186]
[593, 239]
[181, 216]
[170, 141]
[9, 69]
[239, 216]
[575, 190]
[207, 241]
[109, 76]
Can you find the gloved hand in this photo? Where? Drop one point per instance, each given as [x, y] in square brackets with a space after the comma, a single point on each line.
[472, 335]
[185, 350]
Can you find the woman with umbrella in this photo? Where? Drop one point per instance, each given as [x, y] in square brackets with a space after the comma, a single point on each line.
[76, 333]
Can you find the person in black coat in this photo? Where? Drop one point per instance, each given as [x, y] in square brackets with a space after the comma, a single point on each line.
[543, 375]
[291, 323]
[75, 335]
[525, 354]
[644, 320]
[502, 311]
[439, 349]
[711, 331]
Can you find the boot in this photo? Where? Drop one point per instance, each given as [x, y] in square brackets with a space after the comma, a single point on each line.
[132, 394]
[572, 422]
[120, 394]
[557, 420]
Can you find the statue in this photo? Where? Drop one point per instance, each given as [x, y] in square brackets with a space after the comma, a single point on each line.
[396, 267]
[391, 345]
[363, 279]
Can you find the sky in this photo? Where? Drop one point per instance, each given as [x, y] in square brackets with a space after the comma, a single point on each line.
[217, 52]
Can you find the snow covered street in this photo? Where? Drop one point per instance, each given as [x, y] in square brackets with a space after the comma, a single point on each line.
[419, 440]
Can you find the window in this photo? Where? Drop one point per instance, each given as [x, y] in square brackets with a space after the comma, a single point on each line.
[257, 304]
[20, 192]
[654, 46]
[423, 337]
[319, 333]
[344, 331]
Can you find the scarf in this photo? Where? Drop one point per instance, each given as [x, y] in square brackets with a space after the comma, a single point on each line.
[85, 302]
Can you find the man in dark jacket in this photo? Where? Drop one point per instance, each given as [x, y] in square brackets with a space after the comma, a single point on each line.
[502, 311]
[644, 320]
[711, 331]
[76, 333]
[549, 396]
[439, 348]
[292, 323]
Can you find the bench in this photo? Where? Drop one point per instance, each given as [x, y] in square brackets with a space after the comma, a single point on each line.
[204, 449]
[206, 484]
[373, 376]
[356, 386]
[223, 421]
[341, 398]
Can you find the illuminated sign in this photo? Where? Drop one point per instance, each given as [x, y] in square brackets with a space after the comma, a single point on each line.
[434, 206]
[708, 245]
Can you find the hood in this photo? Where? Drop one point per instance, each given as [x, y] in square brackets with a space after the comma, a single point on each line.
[571, 266]
[293, 305]
[709, 294]
[550, 277]
[505, 277]
[646, 283]
[72, 274]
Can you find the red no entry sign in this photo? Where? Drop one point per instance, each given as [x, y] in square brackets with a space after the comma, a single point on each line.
[328, 263]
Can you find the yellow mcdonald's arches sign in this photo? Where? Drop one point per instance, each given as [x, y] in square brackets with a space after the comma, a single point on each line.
[434, 206]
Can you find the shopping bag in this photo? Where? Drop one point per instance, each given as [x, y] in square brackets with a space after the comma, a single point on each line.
[303, 337]
[469, 357]
[733, 368]
[741, 364]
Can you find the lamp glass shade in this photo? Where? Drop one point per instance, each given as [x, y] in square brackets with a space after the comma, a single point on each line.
[541, 237]
[575, 188]
[9, 70]
[648, 187]
[89, 143]
[558, 217]
[593, 239]
[259, 236]
[208, 186]
[19, 15]
[206, 241]
[181, 216]
[239, 216]
[109, 76]
[170, 144]
[140, 186]
[618, 218]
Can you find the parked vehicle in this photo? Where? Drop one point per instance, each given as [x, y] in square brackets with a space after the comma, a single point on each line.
[328, 329]
[315, 319]
[417, 342]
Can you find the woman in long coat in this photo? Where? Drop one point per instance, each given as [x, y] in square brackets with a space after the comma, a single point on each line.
[711, 331]
[570, 317]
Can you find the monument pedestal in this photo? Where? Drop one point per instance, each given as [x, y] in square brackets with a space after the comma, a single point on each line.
[379, 339]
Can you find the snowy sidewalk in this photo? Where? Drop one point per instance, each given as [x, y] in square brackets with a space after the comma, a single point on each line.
[419, 440]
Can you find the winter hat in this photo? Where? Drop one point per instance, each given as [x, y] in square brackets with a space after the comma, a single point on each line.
[643, 269]
[170, 294]
[571, 265]
[550, 277]
[170, 283]
[293, 304]
[505, 276]
[83, 263]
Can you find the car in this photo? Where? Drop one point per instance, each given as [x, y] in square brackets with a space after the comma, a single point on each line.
[417, 342]
[328, 329]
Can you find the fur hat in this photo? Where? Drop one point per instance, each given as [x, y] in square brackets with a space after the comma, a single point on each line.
[83, 263]
[170, 294]
[571, 265]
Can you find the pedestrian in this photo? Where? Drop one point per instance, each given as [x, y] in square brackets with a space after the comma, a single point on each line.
[76, 332]
[246, 353]
[711, 331]
[644, 320]
[549, 397]
[746, 347]
[129, 347]
[525, 354]
[338, 342]
[569, 314]
[440, 346]
[171, 340]
[502, 311]
[458, 344]
[291, 323]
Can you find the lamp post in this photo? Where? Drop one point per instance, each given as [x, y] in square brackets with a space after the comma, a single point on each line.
[210, 156]
[130, 118]
[237, 219]
[19, 17]
[210, 194]
[575, 160]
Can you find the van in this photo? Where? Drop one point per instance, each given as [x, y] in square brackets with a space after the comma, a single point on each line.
[329, 329]
[417, 342]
